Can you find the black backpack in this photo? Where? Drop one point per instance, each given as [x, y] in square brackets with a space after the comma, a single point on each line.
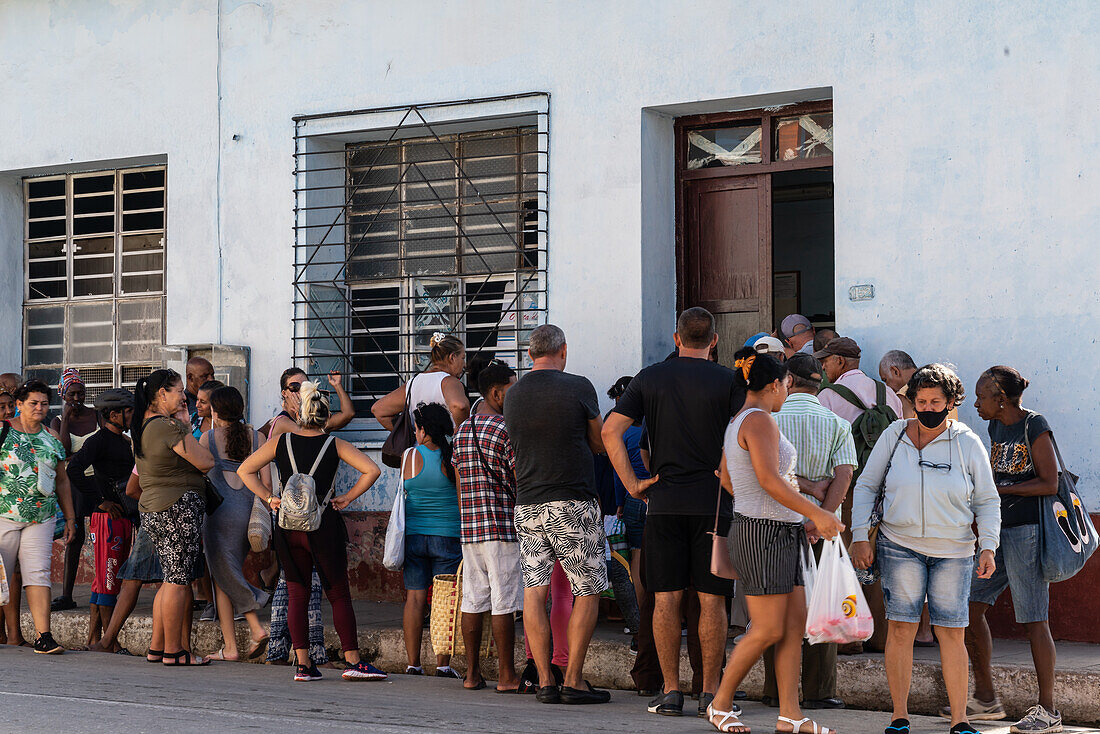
[867, 428]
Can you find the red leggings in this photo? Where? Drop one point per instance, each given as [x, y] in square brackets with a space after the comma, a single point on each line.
[334, 571]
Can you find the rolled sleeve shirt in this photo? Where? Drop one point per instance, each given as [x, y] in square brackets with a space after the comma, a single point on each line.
[823, 439]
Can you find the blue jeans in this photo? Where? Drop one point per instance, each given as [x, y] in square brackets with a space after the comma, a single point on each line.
[1018, 568]
[428, 556]
[908, 578]
[634, 519]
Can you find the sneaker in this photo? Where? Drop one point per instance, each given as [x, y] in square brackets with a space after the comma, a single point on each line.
[668, 704]
[363, 671]
[307, 673]
[1038, 720]
[979, 710]
[47, 645]
[413, 670]
[633, 647]
[207, 613]
[446, 671]
[62, 603]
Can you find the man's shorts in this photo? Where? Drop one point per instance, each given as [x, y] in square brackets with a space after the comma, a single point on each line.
[143, 563]
[677, 553]
[492, 577]
[1018, 569]
[111, 546]
[570, 531]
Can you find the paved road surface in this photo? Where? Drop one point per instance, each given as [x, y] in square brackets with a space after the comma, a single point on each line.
[88, 692]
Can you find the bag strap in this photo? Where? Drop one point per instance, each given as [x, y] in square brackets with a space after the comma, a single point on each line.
[889, 462]
[321, 454]
[290, 453]
[880, 394]
[481, 455]
[845, 392]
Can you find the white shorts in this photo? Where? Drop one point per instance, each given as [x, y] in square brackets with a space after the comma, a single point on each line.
[31, 544]
[492, 577]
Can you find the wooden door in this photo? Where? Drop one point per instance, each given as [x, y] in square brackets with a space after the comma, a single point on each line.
[727, 259]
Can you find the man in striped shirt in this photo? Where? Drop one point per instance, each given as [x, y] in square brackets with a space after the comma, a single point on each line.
[826, 461]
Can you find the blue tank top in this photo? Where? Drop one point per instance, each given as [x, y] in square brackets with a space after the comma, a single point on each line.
[431, 501]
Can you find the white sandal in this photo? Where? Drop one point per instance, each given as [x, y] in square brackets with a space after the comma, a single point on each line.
[726, 721]
[797, 727]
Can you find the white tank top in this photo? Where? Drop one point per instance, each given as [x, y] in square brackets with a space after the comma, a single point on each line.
[749, 498]
[427, 387]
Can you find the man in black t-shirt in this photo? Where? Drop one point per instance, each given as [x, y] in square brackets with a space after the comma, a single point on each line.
[686, 402]
[553, 421]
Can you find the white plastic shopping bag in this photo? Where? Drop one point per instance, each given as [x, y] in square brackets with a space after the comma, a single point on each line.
[809, 572]
[838, 611]
[394, 556]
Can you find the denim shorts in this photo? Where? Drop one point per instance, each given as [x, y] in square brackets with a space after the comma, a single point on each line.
[428, 556]
[634, 519]
[1018, 568]
[908, 578]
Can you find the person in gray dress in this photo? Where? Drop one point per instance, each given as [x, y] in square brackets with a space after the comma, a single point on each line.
[225, 532]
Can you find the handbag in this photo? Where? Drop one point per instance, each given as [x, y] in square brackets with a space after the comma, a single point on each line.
[214, 498]
[1067, 537]
[868, 576]
[403, 435]
[720, 563]
[446, 617]
[259, 526]
[393, 555]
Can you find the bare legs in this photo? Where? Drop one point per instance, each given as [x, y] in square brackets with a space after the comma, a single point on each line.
[416, 603]
[666, 635]
[11, 619]
[979, 643]
[899, 667]
[38, 600]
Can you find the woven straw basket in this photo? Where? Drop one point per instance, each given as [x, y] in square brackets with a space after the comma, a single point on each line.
[446, 619]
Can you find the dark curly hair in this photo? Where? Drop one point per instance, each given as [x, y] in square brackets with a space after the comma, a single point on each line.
[31, 386]
[940, 376]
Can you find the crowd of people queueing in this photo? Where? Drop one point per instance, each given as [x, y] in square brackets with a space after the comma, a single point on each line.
[523, 487]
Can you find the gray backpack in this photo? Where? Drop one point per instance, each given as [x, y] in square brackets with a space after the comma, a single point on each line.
[299, 508]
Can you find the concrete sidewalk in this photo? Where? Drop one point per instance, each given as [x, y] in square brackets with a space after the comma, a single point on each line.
[861, 679]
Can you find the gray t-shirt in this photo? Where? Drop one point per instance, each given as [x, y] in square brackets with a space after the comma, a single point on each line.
[547, 414]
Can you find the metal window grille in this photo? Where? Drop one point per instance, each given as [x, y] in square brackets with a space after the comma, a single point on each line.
[417, 228]
[94, 263]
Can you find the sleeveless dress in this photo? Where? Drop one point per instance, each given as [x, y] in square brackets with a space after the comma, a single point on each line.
[225, 535]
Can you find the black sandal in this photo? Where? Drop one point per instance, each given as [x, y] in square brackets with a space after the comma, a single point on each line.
[898, 726]
[158, 653]
[964, 729]
[185, 655]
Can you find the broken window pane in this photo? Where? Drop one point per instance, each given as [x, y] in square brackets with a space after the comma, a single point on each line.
[804, 136]
[724, 146]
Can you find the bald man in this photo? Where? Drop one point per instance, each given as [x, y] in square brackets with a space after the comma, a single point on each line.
[199, 371]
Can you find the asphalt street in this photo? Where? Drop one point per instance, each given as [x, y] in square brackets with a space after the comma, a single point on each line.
[89, 692]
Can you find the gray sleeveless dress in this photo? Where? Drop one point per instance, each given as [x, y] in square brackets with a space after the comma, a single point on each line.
[225, 536]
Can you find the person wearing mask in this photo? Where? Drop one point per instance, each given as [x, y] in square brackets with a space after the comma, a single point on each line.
[1025, 468]
[33, 483]
[553, 421]
[936, 483]
[201, 421]
[824, 468]
[798, 332]
[225, 532]
[686, 403]
[75, 424]
[109, 454]
[767, 541]
[432, 526]
[492, 579]
[325, 548]
[171, 464]
[438, 384]
[198, 372]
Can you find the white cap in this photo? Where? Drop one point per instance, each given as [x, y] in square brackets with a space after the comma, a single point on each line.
[769, 345]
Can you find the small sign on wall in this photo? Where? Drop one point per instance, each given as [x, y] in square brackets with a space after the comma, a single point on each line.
[863, 292]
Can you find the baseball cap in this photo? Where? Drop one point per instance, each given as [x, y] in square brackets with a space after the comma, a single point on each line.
[752, 339]
[805, 367]
[842, 346]
[769, 345]
[794, 325]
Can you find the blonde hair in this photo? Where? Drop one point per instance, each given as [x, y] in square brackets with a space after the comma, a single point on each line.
[443, 346]
[314, 412]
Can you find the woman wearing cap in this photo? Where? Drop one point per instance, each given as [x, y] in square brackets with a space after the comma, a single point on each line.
[437, 384]
[32, 485]
[936, 483]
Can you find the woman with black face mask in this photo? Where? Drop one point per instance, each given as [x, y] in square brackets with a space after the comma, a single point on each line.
[934, 479]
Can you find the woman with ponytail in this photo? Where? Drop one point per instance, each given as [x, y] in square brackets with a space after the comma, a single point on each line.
[766, 542]
[225, 533]
[432, 543]
[324, 549]
[171, 464]
[438, 384]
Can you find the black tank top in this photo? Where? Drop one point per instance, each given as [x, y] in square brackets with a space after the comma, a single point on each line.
[305, 453]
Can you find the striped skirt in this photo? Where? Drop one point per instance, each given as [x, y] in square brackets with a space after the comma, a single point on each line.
[766, 554]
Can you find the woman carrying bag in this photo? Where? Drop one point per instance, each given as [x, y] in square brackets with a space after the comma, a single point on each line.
[931, 477]
[323, 549]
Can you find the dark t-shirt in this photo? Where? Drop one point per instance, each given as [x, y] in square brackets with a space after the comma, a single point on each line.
[687, 404]
[1011, 460]
[547, 414]
[111, 458]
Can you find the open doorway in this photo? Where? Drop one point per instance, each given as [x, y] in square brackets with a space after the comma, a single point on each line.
[803, 254]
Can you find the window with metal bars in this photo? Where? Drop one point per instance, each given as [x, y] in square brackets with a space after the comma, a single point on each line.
[94, 288]
[434, 231]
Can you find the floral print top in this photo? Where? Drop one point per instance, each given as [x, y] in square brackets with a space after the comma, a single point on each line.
[20, 498]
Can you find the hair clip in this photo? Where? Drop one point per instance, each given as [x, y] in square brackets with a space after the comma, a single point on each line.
[745, 363]
[437, 337]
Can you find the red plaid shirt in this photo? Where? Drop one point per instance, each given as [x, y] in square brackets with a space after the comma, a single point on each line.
[488, 488]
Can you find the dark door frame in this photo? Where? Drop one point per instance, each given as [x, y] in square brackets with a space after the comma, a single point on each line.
[683, 125]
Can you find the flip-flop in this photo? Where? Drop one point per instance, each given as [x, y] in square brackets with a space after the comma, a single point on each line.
[123, 651]
[259, 647]
[220, 655]
[159, 654]
[506, 690]
[480, 685]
